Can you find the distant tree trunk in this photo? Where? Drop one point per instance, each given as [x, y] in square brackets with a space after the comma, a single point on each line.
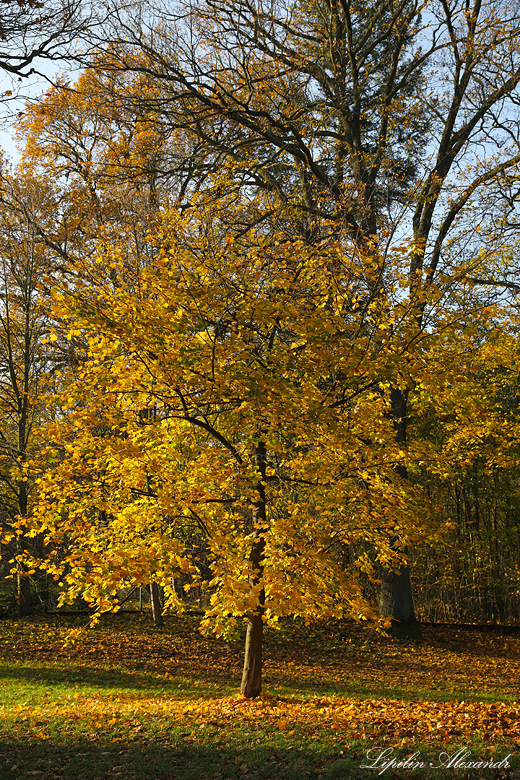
[251, 685]
[397, 602]
[23, 596]
[23, 587]
[23, 584]
[396, 599]
[156, 604]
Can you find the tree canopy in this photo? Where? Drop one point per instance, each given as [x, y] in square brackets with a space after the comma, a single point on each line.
[283, 242]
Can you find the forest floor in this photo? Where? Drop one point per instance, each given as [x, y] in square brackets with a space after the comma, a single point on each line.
[128, 701]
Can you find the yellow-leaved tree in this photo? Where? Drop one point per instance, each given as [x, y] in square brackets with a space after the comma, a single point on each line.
[235, 396]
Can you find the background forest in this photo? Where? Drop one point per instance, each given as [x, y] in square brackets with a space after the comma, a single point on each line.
[259, 314]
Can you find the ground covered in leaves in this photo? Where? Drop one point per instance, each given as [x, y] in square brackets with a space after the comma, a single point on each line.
[128, 701]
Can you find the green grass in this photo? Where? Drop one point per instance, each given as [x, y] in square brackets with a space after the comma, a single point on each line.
[126, 700]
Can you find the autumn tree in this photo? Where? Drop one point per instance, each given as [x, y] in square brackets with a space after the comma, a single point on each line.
[102, 159]
[112, 156]
[371, 121]
[24, 363]
[327, 120]
[467, 416]
[269, 432]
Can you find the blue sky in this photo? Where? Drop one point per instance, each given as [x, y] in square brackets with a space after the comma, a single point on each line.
[30, 87]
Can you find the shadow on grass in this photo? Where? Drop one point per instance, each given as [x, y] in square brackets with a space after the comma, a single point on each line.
[184, 686]
[114, 678]
[157, 760]
[360, 690]
[90, 676]
[96, 677]
[210, 758]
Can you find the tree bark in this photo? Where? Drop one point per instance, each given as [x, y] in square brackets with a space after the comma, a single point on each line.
[251, 684]
[396, 599]
[397, 602]
[156, 604]
[23, 596]
[23, 586]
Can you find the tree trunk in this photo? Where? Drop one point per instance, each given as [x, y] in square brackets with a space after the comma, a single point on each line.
[156, 604]
[397, 602]
[251, 684]
[23, 586]
[23, 595]
[396, 599]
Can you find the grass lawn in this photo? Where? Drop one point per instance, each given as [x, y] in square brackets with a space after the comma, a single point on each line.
[128, 701]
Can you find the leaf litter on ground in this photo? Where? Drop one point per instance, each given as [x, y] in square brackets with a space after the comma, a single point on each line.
[332, 691]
